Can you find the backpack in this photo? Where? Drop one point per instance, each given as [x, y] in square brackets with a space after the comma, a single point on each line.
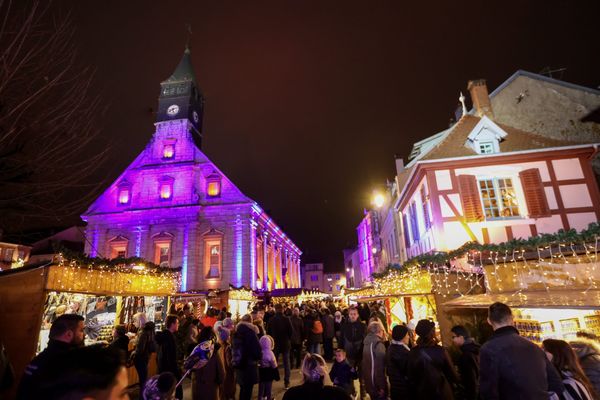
[317, 327]
[433, 381]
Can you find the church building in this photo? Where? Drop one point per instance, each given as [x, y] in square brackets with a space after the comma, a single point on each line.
[174, 207]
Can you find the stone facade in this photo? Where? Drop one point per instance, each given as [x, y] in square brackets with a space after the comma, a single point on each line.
[174, 207]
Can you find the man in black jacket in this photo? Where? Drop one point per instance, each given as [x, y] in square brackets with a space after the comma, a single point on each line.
[167, 351]
[66, 333]
[468, 362]
[396, 363]
[246, 353]
[280, 328]
[353, 334]
[297, 337]
[512, 367]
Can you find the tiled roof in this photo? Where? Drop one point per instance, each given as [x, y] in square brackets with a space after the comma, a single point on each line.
[453, 144]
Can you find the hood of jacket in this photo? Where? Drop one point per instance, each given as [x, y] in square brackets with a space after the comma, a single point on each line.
[585, 347]
[243, 325]
[371, 338]
[266, 342]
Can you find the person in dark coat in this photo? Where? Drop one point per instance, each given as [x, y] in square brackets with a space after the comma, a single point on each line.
[207, 380]
[313, 332]
[373, 362]
[512, 367]
[146, 345]
[588, 353]
[313, 388]
[246, 353]
[281, 330]
[353, 334]
[297, 337]
[167, 351]
[396, 363]
[430, 371]
[468, 361]
[66, 333]
[328, 333]
[342, 374]
[364, 312]
[121, 340]
[338, 321]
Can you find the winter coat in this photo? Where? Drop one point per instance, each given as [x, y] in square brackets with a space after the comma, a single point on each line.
[29, 386]
[167, 356]
[145, 346]
[297, 330]
[512, 367]
[373, 365]
[342, 375]
[246, 350]
[280, 328]
[588, 353]
[228, 385]
[206, 381]
[352, 336]
[315, 391]
[396, 365]
[121, 343]
[468, 368]
[328, 327]
[430, 373]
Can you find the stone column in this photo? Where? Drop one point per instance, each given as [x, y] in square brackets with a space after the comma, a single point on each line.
[265, 247]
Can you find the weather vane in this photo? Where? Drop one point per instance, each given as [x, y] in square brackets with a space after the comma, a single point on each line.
[461, 98]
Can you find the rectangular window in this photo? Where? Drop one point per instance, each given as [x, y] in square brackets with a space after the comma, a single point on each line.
[124, 196]
[168, 151]
[337, 277]
[414, 224]
[213, 256]
[486, 148]
[118, 249]
[162, 253]
[213, 188]
[166, 190]
[314, 278]
[406, 230]
[499, 198]
[8, 254]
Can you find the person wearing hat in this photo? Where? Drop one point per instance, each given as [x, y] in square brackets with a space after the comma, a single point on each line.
[430, 373]
[396, 363]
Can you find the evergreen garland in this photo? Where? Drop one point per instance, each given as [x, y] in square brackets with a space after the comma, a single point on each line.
[533, 244]
[119, 263]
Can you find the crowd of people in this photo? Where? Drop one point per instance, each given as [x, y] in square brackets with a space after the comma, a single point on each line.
[342, 352]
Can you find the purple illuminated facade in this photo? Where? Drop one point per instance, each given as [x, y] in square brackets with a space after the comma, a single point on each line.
[174, 207]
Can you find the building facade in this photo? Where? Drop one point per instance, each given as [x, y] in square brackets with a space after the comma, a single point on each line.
[315, 278]
[174, 207]
[485, 181]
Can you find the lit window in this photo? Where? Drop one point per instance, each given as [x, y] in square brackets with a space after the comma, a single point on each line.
[118, 247]
[214, 188]
[486, 147]
[338, 287]
[124, 195]
[168, 151]
[213, 255]
[166, 188]
[314, 278]
[499, 198]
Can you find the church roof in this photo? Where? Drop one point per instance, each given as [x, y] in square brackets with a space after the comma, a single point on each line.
[184, 71]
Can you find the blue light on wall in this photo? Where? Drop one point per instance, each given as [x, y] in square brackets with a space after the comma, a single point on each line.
[238, 250]
[184, 260]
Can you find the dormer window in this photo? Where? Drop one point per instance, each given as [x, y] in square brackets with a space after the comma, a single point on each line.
[486, 148]
[124, 194]
[213, 185]
[166, 188]
[168, 151]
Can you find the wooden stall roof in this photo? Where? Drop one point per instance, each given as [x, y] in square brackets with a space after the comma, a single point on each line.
[560, 299]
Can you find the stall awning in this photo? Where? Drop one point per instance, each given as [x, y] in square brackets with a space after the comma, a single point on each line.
[579, 299]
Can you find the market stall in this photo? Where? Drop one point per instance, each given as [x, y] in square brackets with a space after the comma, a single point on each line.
[549, 299]
[296, 296]
[32, 297]
[416, 293]
[237, 300]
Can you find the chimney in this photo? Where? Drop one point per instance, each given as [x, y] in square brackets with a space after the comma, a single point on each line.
[399, 165]
[480, 98]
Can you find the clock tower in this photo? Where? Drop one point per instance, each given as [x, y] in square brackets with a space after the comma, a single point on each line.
[180, 98]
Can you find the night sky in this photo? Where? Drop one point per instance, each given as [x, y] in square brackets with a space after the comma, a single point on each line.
[308, 101]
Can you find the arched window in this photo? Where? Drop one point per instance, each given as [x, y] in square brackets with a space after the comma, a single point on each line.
[213, 185]
[168, 150]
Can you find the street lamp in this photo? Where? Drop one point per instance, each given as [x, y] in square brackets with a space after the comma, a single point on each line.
[378, 200]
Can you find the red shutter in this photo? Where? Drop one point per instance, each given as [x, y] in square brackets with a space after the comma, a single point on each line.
[469, 197]
[535, 195]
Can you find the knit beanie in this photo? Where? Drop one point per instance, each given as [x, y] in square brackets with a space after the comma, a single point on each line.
[399, 332]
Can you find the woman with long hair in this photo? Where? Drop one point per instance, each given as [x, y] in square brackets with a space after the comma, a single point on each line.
[146, 345]
[562, 356]
[314, 370]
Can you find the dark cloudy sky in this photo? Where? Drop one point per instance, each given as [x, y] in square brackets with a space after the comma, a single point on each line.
[308, 101]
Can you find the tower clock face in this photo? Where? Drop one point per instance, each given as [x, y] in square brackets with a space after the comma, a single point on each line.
[195, 116]
[173, 110]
